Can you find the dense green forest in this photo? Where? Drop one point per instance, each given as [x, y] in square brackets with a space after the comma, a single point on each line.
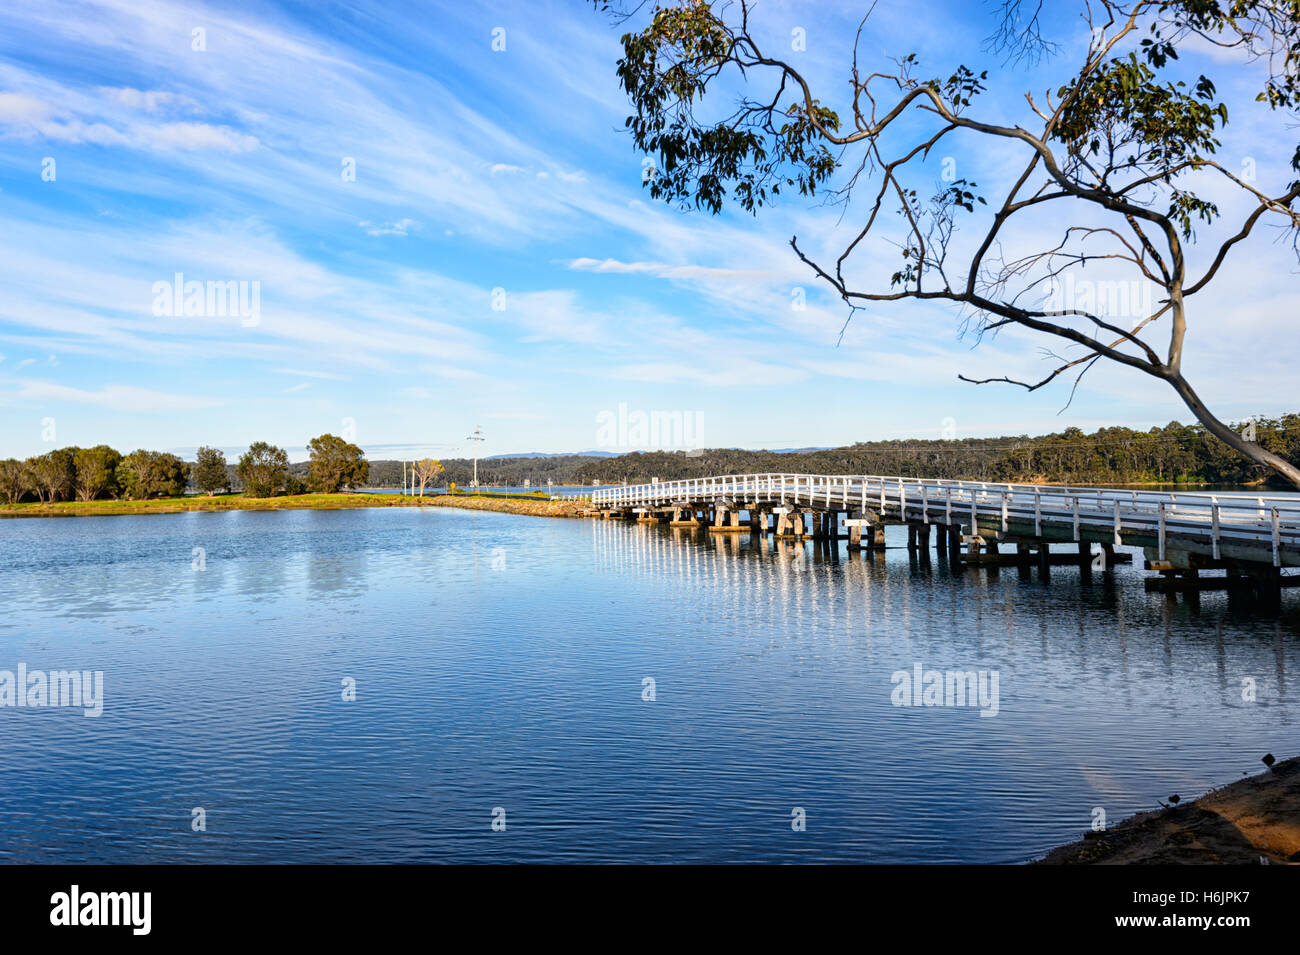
[1175, 453]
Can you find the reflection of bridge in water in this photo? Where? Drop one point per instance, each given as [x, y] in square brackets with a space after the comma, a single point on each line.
[1250, 537]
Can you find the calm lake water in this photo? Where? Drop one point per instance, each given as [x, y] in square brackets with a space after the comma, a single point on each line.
[500, 660]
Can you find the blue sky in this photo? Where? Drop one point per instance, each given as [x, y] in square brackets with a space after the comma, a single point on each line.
[493, 176]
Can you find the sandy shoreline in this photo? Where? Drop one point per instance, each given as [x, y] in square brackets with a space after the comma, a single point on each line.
[1243, 823]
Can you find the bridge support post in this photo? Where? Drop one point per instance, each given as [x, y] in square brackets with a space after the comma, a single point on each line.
[877, 537]
[683, 516]
[941, 534]
[1268, 585]
[1044, 560]
[1108, 549]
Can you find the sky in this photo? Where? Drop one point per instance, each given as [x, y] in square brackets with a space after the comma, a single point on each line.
[437, 222]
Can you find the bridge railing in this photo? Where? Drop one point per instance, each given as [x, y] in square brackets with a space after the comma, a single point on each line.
[1232, 517]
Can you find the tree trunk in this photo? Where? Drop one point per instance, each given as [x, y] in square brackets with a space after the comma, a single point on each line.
[1232, 439]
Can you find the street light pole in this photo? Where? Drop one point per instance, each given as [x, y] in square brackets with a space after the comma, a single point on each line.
[476, 437]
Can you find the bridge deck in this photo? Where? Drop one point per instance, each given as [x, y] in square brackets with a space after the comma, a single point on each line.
[1262, 529]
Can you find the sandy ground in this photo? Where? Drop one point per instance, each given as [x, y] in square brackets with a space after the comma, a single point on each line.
[1243, 823]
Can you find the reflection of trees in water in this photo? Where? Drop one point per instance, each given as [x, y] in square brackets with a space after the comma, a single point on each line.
[337, 573]
[260, 576]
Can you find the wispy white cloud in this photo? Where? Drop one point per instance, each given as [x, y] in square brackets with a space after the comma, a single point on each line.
[117, 397]
[400, 227]
[151, 101]
[28, 117]
[663, 270]
[304, 373]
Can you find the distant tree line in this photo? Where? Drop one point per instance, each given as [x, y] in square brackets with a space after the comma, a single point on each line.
[460, 471]
[87, 474]
[1176, 453]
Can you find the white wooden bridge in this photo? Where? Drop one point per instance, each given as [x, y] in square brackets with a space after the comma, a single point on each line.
[1252, 537]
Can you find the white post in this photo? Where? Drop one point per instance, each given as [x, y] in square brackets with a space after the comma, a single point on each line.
[1214, 528]
[1161, 532]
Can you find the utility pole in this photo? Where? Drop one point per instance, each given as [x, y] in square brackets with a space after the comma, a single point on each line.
[476, 437]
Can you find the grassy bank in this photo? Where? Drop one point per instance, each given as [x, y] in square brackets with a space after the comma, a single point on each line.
[514, 504]
[221, 502]
[1237, 825]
